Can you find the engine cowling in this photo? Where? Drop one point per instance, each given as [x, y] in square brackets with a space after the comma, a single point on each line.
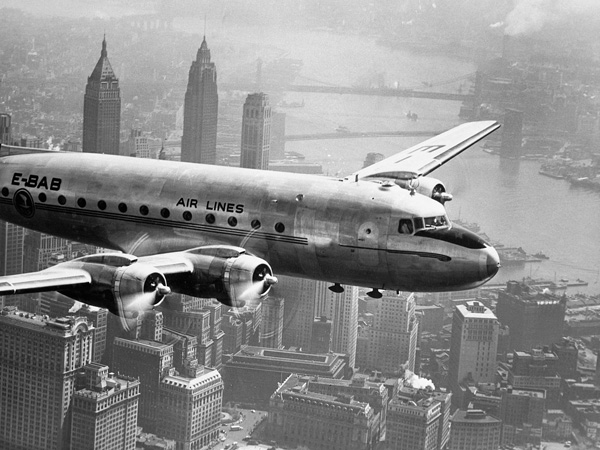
[429, 187]
[226, 273]
[121, 285]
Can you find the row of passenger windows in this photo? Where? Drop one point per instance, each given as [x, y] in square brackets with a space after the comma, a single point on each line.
[145, 210]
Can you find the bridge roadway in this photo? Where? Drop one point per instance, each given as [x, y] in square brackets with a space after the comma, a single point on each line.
[383, 92]
[358, 134]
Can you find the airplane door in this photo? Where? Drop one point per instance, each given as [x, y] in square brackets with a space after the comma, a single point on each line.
[366, 237]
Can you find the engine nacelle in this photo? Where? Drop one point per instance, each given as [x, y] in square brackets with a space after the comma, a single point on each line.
[430, 187]
[226, 273]
[138, 287]
[121, 285]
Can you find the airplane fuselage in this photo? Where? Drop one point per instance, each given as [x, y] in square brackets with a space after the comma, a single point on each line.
[310, 226]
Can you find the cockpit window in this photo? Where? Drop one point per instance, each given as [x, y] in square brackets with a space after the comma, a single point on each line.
[437, 221]
[405, 226]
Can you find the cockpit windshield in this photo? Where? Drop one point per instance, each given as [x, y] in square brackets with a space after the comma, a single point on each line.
[410, 226]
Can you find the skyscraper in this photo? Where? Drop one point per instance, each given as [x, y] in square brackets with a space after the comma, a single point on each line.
[256, 132]
[104, 410]
[413, 421]
[180, 399]
[474, 430]
[5, 129]
[298, 311]
[102, 108]
[271, 328]
[393, 336]
[343, 310]
[39, 358]
[11, 248]
[473, 346]
[534, 318]
[201, 107]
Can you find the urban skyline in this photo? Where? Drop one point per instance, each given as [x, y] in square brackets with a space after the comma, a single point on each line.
[191, 340]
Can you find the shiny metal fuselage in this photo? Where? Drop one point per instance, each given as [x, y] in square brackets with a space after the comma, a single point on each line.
[310, 226]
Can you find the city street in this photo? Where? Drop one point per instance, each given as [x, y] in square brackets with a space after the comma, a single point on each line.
[248, 422]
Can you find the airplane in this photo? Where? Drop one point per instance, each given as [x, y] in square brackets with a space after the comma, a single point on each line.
[216, 232]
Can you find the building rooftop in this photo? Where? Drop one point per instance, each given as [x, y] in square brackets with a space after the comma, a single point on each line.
[63, 326]
[475, 310]
[473, 416]
[208, 377]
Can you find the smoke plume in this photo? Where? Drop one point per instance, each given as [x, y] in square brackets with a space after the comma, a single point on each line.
[415, 381]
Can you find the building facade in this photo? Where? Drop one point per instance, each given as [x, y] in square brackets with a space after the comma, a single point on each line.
[102, 108]
[413, 423]
[190, 409]
[256, 132]
[301, 417]
[299, 309]
[533, 318]
[200, 111]
[393, 337]
[104, 410]
[39, 359]
[342, 308]
[474, 430]
[473, 346]
[253, 374]
[271, 330]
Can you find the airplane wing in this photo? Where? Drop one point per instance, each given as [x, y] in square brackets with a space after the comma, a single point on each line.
[46, 280]
[427, 156]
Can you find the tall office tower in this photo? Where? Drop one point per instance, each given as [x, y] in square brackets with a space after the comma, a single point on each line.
[149, 361]
[216, 334]
[190, 408]
[299, 310]
[277, 136]
[201, 108]
[38, 249]
[337, 421]
[256, 132]
[512, 133]
[473, 347]
[473, 429]
[11, 236]
[5, 129]
[180, 403]
[534, 318]
[137, 145]
[11, 248]
[104, 410]
[567, 354]
[99, 318]
[393, 336]
[189, 315]
[233, 329]
[321, 336]
[522, 414]
[102, 108]
[39, 358]
[343, 310]
[271, 329]
[413, 421]
[537, 370]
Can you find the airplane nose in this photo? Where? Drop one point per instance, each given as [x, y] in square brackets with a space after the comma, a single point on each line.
[493, 262]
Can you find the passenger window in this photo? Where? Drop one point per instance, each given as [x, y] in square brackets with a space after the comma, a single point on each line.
[405, 226]
[419, 223]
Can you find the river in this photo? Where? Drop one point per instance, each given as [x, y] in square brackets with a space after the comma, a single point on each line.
[511, 202]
